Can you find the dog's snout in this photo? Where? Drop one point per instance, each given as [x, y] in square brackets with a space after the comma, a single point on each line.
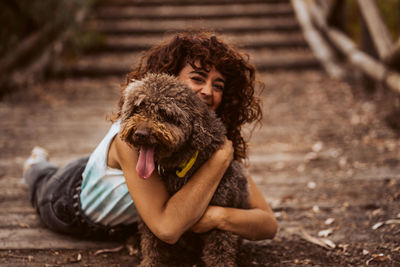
[142, 133]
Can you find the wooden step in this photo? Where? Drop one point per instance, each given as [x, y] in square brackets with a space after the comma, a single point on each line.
[246, 40]
[241, 25]
[119, 64]
[153, 3]
[214, 11]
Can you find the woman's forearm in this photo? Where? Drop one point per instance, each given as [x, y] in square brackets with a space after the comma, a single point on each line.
[188, 205]
[168, 217]
[252, 224]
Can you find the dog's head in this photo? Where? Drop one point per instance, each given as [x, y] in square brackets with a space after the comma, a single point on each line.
[165, 120]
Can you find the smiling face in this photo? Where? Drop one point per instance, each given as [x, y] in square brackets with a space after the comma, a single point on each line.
[208, 84]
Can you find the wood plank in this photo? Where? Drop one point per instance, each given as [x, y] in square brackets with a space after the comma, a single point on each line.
[22, 206]
[361, 60]
[242, 23]
[189, 12]
[176, 3]
[320, 47]
[41, 238]
[377, 28]
[19, 220]
[393, 57]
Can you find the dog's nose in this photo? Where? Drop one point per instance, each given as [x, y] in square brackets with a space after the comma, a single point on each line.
[141, 133]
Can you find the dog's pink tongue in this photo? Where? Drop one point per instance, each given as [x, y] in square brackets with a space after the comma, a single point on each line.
[145, 165]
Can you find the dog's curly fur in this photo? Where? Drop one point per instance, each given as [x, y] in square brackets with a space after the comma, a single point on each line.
[178, 124]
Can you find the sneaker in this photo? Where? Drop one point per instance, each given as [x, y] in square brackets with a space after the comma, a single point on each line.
[38, 154]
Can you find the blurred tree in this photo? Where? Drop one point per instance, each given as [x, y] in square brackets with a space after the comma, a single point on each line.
[390, 10]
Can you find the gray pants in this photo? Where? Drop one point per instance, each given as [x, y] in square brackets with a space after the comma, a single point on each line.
[54, 192]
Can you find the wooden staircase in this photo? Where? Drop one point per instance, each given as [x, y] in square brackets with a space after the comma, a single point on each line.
[266, 30]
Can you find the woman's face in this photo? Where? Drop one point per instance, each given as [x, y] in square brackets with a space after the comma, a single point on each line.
[209, 86]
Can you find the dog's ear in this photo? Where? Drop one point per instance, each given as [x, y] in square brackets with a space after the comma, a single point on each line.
[133, 97]
[131, 86]
[127, 129]
[130, 93]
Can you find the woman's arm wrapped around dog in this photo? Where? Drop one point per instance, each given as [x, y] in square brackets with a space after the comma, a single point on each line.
[256, 223]
[168, 217]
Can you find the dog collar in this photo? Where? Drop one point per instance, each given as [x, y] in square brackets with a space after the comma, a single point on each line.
[186, 166]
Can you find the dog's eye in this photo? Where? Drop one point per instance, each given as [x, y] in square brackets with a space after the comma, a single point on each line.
[134, 109]
[169, 117]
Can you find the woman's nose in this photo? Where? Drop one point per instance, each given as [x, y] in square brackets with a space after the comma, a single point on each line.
[206, 90]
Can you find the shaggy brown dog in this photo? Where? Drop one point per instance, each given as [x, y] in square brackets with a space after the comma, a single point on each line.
[170, 125]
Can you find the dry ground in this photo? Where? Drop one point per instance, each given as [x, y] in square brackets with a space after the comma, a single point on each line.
[324, 159]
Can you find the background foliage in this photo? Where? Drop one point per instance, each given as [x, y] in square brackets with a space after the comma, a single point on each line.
[390, 10]
[25, 20]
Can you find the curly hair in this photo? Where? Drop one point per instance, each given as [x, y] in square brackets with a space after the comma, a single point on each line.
[239, 104]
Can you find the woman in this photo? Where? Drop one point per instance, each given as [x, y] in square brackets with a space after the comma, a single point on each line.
[104, 195]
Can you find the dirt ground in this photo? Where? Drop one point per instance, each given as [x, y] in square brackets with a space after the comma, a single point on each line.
[324, 158]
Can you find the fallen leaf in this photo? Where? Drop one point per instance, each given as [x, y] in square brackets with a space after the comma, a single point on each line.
[329, 243]
[377, 225]
[315, 209]
[343, 246]
[393, 221]
[329, 221]
[317, 147]
[377, 257]
[311, 185]
[323, 242]
[325, 233]
[77, 259]
[377, 212]
[109, 250]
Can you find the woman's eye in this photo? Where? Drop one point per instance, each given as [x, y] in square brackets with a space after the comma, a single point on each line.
[219, 87]
[197, 79]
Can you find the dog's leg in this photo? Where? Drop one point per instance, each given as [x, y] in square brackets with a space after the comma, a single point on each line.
[220, 249]
[156, 253]
[153, 250]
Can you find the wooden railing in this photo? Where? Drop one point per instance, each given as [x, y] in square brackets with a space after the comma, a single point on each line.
[378, 57]
[26, 62]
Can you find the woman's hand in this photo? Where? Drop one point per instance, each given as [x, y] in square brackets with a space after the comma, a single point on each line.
[256, 223]
[225, 153]
[209, 221]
